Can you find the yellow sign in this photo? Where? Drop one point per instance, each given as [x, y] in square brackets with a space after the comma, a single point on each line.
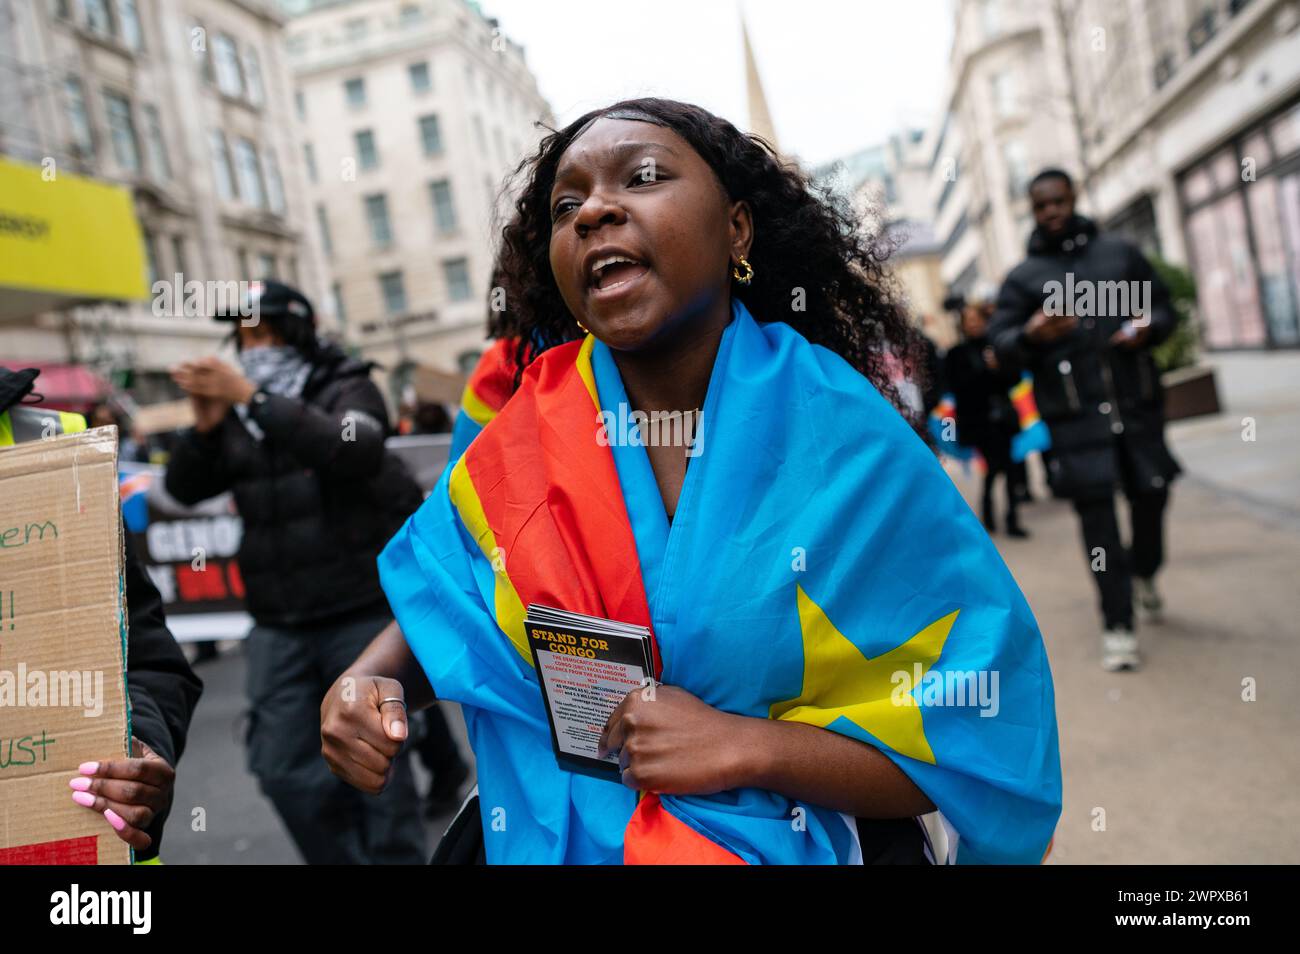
[65, 237]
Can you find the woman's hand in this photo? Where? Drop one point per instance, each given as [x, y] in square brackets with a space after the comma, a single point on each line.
[129, 793]
[213, 378]
[360, 733]
[670, 742]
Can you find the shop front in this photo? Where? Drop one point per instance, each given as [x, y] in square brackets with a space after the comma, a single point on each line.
[1241, 211]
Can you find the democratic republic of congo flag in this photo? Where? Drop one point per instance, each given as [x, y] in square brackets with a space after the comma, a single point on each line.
[489, 387]
[820, 568]
[1033, 435]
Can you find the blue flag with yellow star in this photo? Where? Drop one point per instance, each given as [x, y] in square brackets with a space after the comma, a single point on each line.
[820, 567]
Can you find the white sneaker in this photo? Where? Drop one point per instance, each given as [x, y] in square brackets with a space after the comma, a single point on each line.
[1119, 650]
[1148, 598]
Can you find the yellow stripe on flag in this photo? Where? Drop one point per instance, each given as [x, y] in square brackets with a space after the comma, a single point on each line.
[509, 608]
[473, 405]
[584, 368]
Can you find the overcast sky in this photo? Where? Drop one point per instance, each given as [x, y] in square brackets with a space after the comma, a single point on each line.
[839, 74]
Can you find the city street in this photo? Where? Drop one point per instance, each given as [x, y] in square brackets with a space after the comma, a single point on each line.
[1183, 769]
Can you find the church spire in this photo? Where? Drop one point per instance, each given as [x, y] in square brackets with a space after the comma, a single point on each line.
[760, 120]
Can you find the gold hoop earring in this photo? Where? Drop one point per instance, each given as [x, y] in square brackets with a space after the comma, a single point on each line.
[747, 277]
[582, 326]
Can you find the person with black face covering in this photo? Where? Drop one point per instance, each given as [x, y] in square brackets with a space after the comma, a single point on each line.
[1082, 312]
[296, 432]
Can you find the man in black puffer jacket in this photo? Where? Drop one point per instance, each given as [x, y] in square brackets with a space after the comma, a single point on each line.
[1082, 313]
[297, 433]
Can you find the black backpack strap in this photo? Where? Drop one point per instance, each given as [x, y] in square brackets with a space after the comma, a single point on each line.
[462, 842]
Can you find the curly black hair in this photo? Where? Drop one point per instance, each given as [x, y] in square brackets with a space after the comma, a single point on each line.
[806, 238]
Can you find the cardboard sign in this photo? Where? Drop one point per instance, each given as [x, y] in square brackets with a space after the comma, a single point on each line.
[62, 644]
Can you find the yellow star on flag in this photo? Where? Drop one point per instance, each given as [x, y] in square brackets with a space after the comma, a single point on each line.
[839, 680]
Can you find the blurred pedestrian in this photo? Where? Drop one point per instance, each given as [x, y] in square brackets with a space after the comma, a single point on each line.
[297, 432]
[986, 420]
[1098, 389]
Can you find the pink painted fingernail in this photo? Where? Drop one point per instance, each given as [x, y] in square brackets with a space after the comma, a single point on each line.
[80, 784]
[84, 798]
[114, 819]
[88, 768]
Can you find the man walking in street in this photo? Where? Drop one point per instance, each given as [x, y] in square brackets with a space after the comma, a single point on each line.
[297, 433]
[1082, 313]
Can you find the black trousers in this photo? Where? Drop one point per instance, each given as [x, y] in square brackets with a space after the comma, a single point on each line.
[289, 672]
[996, 451]
[1113, 567]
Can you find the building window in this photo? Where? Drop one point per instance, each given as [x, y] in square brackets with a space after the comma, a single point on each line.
[356, 29]
[253, 78]
[156, 144]
[444, 212]
[430, 135]
[128, 18]
[79, 119]
[98, 19]
[394, 292]
[421, 82]
[1016, 159]
[456, 272]
[221, 168]
[990, 25]
[266, 265]
[323, 224]
[300, 104]
[309, 160]
[367, 156]
[336, 292]
[178, 254]
[381, 232]
[150, 260]
[245, 273]
[199, 48]
[1004, 95]
[274, 184]
[467, 361]
[229, 80]
[355, 92]
[291, 270]
[121, 126]
[250, 175]
[410, 14]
